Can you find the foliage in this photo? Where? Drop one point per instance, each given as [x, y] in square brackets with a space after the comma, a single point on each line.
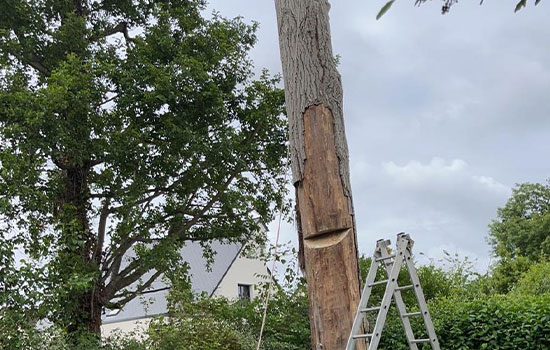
[446, 6]
[205, 329]
[287, 321]
[128, 126]
[522, 227]
[456, 277]
[464, 317]
[18, 332]
[467, 311]
[506, 274]
[536, 281]
[498, 322]
[201, 322]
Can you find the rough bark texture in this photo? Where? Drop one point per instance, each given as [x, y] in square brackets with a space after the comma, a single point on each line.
[320, 167]
[311, 77]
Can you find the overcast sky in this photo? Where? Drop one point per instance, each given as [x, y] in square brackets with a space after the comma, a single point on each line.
[444, 114]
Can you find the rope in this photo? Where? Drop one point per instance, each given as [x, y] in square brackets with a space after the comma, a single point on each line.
[268, 295]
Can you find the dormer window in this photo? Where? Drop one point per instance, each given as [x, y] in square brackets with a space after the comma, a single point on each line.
[244, 292]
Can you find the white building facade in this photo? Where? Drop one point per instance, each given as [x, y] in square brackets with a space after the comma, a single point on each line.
[231, 275]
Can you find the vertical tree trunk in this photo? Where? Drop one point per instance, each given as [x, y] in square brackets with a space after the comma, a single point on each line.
[83, 259]
[320, 167]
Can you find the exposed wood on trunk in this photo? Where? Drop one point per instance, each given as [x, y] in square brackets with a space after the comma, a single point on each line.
[330, 251]
[320, 166]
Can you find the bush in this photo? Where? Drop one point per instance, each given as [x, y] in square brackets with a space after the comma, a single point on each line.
[536, 281]
[491, 323]
[202, 323]
[204, 332]
[287, 322]
[435, 281]
[16, 331]
[507, 273]
[198, 323]
[19, 331]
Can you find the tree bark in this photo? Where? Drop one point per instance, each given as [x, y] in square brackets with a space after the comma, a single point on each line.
[85, 314]
[320, 167]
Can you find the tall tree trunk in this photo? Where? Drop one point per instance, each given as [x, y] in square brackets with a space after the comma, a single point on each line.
[86, 258]
[83, 258]
[320, 167]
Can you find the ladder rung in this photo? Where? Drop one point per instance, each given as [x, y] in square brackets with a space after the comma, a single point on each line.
[410, 286]
[378, 283]
[386, 257]
[412, 314]
[358, 336]
[368, 309]
[416, 341]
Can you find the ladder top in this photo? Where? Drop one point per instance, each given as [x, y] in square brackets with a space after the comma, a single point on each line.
[407, 237]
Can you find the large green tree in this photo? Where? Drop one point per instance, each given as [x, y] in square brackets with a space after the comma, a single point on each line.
[128, 125]
[522, 227]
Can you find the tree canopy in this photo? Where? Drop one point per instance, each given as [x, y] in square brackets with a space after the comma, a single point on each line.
[522, 227]
[128, 126]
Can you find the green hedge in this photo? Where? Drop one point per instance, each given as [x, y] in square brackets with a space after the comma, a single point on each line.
[498, 322]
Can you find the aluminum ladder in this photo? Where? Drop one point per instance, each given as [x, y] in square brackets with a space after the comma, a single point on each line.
[392, 264]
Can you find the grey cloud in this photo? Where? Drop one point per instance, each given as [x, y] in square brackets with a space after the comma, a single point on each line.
[443, 203]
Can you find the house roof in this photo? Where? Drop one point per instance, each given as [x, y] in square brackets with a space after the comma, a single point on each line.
[204, 279]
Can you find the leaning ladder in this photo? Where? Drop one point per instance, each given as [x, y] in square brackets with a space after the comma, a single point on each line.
[392, 264]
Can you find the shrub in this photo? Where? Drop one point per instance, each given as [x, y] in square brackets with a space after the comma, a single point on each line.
[536, 281]
[203, 332]
[507, 273]
[491, 323]
[16, 331]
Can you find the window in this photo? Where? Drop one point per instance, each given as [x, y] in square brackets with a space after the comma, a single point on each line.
[244, 292]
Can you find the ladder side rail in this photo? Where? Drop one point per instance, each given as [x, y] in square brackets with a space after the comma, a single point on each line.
[399, 303]
[421, 300]
[386, 301]
[358, 321]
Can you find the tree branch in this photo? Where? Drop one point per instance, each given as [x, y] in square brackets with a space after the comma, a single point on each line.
[113, 263]
[122, 27]
[157, 191]
[102, 227]
[106, 101]
[132, 272]
[208, 206]
[79, 8]
[33, 61]
[129, 275]
[127, 295]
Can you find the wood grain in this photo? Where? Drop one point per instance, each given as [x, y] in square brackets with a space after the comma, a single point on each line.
[329, 240]
[320, 167]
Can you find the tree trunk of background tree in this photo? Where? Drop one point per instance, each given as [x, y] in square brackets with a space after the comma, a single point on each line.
[85, 311]
[320, 167]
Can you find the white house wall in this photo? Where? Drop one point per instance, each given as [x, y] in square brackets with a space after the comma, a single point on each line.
[136, 327]
[243, 271]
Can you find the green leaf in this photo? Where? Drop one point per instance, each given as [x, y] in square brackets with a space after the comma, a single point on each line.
[384, 9]
[520, 5]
